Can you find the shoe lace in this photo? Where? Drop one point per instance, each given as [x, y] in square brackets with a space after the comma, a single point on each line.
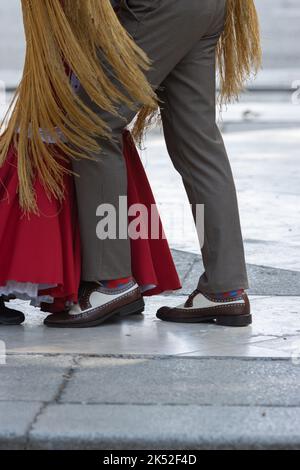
[190, 300]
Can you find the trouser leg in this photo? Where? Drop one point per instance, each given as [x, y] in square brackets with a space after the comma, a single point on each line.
[166, 30]
[197, 150]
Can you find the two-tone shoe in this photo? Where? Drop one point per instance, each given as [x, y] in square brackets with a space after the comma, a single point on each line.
[97, 304]
[203, 308]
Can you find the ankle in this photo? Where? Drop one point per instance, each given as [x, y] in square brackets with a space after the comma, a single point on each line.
[116, 283]
[233, 294]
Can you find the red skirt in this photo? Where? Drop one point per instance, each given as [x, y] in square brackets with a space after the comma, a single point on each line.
[40, 256]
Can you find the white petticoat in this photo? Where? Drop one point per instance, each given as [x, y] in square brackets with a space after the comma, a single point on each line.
[27, 291]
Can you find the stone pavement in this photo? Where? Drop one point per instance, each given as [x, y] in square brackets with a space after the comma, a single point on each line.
[144, 384]
[275, 332]
[84, 402]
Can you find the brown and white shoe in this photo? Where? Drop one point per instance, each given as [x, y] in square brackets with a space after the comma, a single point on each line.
[98, 304]
[203, 308]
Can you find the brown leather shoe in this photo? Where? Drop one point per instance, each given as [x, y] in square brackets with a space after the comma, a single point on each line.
[202, 308]
[8, 316]
[98, 304]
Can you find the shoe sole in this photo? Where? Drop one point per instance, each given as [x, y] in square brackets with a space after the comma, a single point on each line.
[135, 308]
[225, 320]
[7, 323]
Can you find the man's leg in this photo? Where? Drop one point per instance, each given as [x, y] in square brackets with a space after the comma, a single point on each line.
[166, 30]
[154, 24]
[197, 150]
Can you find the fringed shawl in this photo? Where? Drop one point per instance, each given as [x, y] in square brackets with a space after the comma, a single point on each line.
[238, 55]
[75, 32]
[72, 33]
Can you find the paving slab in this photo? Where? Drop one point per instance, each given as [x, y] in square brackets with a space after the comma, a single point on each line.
[171, 403]
[266, 167]
[180, 381]
[275, 318]
[155, 427]
[32, 378]
[15, 422]
[263, 280]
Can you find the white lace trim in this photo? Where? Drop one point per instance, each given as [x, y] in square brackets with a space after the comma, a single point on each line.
[147, 287]
[27, 291]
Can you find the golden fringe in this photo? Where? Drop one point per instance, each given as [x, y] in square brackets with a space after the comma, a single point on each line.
[74, 34]
[239, 53]
[238, 56]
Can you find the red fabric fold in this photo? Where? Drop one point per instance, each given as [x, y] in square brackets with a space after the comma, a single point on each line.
[152, 262]
[45, 248]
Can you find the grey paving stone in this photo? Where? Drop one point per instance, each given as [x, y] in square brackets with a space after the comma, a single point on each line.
[32, 378]
[263, 280]
[270, 281]
[146, 335]
[184, 262]
[185, 381]
[266, 168]
[165, 427]
[15, 421]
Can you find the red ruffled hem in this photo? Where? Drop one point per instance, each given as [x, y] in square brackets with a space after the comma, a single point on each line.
[44, 249]
[152, 262]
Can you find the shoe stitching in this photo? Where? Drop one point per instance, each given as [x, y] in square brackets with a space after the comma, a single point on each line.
[84, 314]
[197, 292]
[216, 307]
[88, 291]
[229, 299]
[118, 290]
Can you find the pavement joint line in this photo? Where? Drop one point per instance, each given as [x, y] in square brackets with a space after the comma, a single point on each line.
[46, 404]
[32, 423]
[276, 336]
[172, 405]
[189, 270]
[56, 400]
[198, 258]
[67, 376]
[185, 353]
[271, 267]
[153, 357]
[7, 400]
